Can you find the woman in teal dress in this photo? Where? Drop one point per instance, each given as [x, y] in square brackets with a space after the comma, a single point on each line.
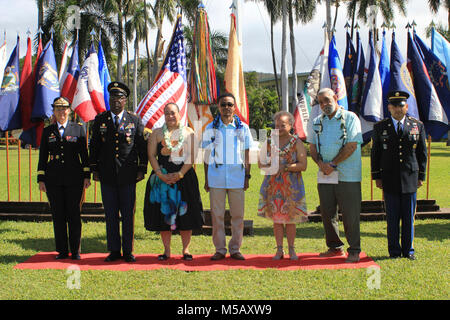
[282, 193]
[172, 196]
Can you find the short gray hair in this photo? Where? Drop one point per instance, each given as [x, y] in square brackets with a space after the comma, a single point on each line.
[325, 90]
[280, 114]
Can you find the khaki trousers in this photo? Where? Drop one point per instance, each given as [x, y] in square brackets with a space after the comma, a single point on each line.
[236, 199]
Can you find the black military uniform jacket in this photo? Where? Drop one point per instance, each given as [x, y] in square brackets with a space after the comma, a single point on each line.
[63, 161]
[399, 161]
[118, 154]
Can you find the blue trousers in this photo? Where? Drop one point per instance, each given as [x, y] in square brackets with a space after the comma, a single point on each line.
[123, 199]
[400, 206]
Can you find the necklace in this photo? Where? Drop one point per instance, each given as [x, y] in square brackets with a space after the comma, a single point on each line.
[343, 128]
[286, 148]
[167, 140]
[216, 154]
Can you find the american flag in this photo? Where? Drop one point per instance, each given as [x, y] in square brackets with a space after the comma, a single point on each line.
[170, 84]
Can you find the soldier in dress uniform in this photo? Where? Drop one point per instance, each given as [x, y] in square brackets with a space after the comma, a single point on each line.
[398, 161]
[118, 159]
[63, 172]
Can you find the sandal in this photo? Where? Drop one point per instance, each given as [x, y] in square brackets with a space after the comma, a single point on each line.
[280, 253]
[292, 254]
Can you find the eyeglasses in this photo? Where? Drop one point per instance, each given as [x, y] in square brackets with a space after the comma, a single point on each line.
[229, 105]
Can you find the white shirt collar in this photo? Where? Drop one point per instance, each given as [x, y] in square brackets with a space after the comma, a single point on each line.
[63, 124]
[120, 115]
[396, 121]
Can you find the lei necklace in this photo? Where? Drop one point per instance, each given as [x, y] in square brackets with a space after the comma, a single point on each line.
[169, 142]
[283, 151]
[215, 126]
[341, 118]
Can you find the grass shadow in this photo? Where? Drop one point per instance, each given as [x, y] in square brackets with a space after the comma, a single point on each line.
[433, 231]
[308, 232]
[88, 244]
[13, 259]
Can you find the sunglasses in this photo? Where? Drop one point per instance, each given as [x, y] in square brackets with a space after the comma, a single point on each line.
[229, 104]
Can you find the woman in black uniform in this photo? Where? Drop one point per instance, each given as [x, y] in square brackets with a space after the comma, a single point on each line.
[63, 173]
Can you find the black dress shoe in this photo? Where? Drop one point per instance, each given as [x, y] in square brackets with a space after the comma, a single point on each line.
[76, 256]
[129, 258]
[61, 256]
[410, 257]
[217, 256]
[113, 256]
[237, 256]
[394, 256]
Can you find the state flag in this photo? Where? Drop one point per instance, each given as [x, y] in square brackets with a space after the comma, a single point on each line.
[10, 118]
[88, 100]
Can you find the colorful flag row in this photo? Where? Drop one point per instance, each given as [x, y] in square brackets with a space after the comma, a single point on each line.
[26, 97]
[363, 83]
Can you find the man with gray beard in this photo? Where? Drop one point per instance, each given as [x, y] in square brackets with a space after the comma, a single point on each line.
[335, 145]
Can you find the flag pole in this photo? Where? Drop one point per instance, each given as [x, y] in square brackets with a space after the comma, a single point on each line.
[18, 167]
[428, 165]
[7, 163]
[29, 170]
[371, 188]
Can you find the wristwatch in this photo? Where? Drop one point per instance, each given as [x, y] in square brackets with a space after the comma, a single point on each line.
[333, 165]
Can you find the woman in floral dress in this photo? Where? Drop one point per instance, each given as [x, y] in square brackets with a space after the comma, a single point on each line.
[282, 193]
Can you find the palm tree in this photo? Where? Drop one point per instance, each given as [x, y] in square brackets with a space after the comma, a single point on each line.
[161, 9]
[92, 17]
[436, 4]
[302, 11]
[41, 4]
[189, 10]
[273, 7]
[146, 45]
[219, 41]
[360, 9]
[111, 8]
[284, 71]
[136, 27]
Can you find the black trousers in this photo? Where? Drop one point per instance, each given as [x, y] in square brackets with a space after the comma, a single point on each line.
[119, 199]
[400, 207]
[65, 208]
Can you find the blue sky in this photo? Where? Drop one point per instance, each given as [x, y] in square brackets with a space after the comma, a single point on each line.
[18, 16]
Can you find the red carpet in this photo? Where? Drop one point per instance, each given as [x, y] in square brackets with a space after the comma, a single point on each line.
[94, 261]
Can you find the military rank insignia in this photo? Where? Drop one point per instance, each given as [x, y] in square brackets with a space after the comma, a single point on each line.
[52, 138]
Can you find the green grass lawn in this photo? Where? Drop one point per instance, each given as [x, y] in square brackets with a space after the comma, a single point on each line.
[425, 278]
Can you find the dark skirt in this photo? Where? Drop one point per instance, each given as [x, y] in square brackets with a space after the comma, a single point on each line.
[191, 220]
